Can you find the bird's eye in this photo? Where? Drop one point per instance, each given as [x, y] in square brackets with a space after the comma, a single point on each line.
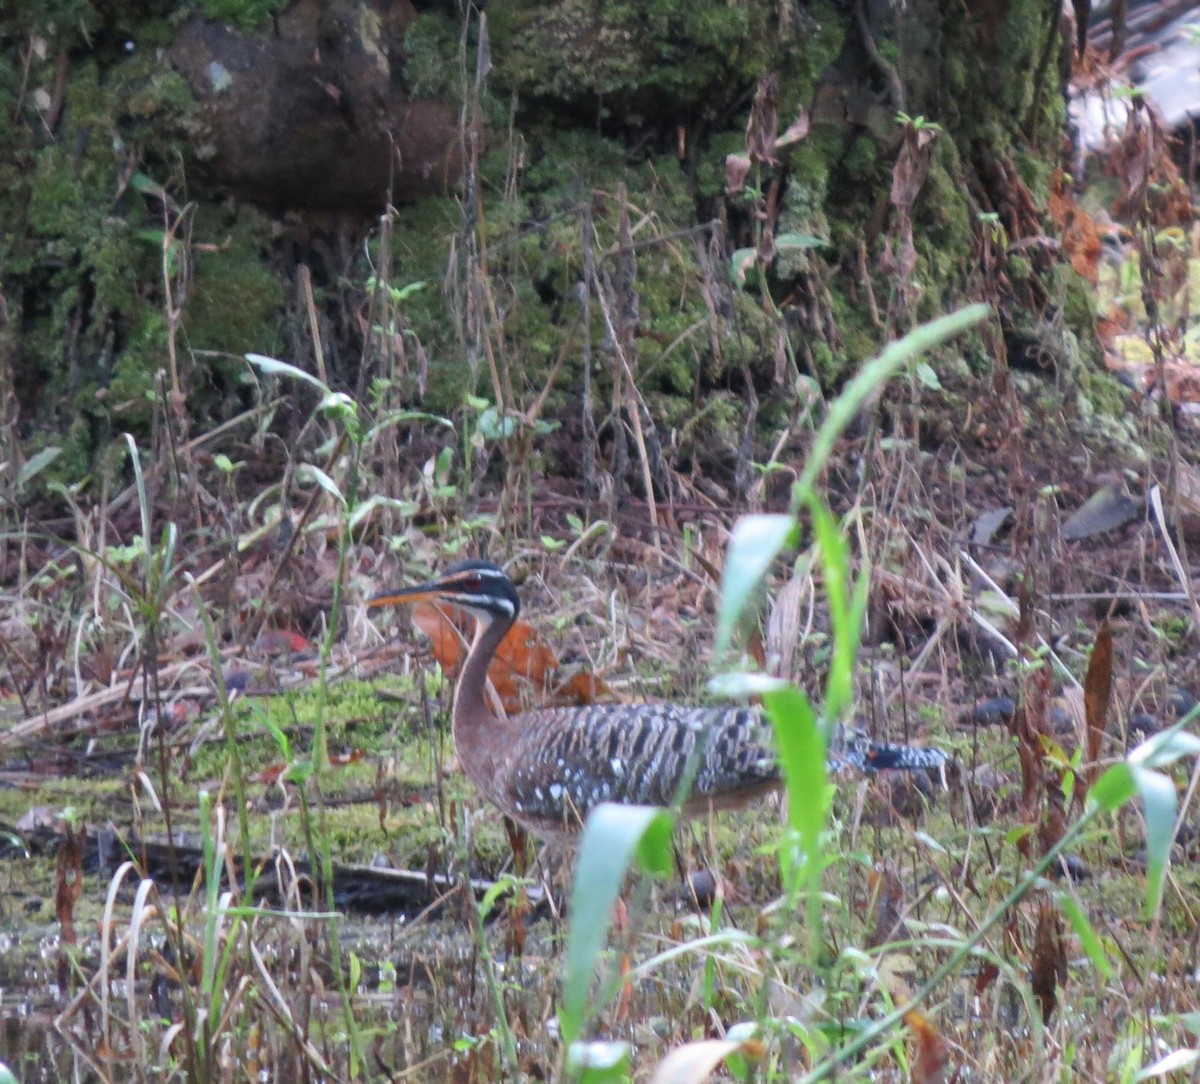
[474, 581]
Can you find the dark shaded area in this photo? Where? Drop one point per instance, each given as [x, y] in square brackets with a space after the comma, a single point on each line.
[316, 114]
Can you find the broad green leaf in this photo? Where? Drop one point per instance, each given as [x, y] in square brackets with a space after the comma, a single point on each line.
[274, 367]
[786, 241]
[1159, 803]
[802, 747]
[927, 376]
[612, 837]
[1114, 788]
[496, 426]
[37, 463]
[753, 546]
[599, 1062]
[654, 852]
[1164, 748]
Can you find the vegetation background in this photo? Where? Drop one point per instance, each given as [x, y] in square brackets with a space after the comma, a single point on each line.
[298, 301]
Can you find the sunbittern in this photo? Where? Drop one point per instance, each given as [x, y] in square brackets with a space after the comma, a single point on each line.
[547, 768]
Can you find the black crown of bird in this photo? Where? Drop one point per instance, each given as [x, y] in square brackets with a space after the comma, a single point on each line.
[547, 768]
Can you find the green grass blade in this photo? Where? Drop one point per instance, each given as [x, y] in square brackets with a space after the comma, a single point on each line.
[847, 602]
[143, 500]
[274, 367]
[613, 837]
[894, 357]
[1087, 935]
[755, 543]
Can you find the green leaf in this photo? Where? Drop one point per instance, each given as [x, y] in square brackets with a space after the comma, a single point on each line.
[37, 463]
[307, 470]
[612, 837]
[141, 182]
[792, 241]
[300, 772]
[366, 509]
[927, 376]
[1087, 935]
[802, 747]
[274, 367]
[496, 426]
[396, 417]
[740, 263]
[1114, 788]
[339, 406]
[491, 897]
[1164, 748]
[1159, 803]
[754, 544]
[599, 1062]
[847, 603]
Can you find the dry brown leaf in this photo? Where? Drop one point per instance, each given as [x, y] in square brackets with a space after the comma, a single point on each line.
[887, 921]
[1097, 692]
[69, 883]
[763, 125]
[1049, 964]
[525, 667]
[932, 1059]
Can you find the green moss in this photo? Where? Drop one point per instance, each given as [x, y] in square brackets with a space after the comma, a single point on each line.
[236, 299]
[862, 161]
[1020, 268]
[630, 60]
[431, 47]
[248, 14]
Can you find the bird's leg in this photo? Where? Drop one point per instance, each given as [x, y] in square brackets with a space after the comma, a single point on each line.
[518, 841]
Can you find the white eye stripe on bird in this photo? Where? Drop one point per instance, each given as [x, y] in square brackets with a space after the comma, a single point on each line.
[473, 602]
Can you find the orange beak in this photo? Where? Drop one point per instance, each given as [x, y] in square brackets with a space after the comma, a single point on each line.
[434, 589]
[401, 596]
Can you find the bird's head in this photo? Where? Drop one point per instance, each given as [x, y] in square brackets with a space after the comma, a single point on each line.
[479, 587]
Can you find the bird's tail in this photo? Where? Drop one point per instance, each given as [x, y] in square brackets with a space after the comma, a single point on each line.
[855, 752]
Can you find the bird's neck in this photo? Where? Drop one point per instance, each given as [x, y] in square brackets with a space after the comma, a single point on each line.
[476, 725]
